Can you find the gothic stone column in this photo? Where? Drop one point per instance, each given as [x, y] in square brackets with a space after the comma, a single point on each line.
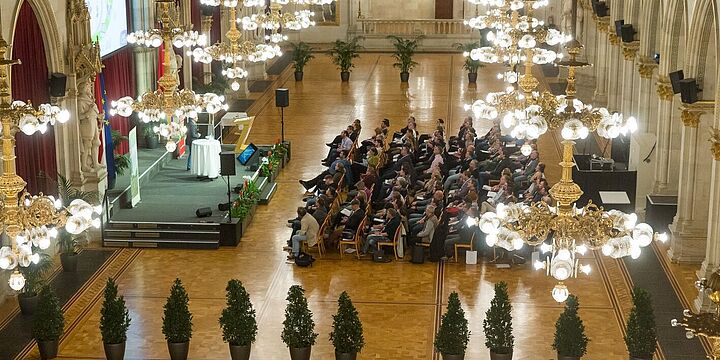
[614, 72]
[689, 227]
[643, 141]
[712, 251]
[664, 131]
[601, 74]
[628, 81]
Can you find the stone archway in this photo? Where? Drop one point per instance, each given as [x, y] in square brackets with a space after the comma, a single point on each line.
[50, 31]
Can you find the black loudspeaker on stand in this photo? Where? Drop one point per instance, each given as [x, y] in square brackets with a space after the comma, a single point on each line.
[227, 169]
[227, 163]
[282, 100]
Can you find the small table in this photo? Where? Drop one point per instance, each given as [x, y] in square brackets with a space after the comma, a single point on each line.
[205, 160]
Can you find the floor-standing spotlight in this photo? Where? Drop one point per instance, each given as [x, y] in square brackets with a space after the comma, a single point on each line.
[282, 100]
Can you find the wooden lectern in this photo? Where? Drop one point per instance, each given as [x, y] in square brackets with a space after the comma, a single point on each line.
[236, 129]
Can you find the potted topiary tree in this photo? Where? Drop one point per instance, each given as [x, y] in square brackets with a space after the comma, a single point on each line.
[298, 328]
[343, 53]
[151, 138]
[470, 65]
[177, 322]
[347, 333]
[48, 323]
[498, 325]
[114, 322]
[302, 53]
[570, 340]
[69, 244]
[453, 336]
[641, 337]
[404, 51]
[34, 280]
[238, 321]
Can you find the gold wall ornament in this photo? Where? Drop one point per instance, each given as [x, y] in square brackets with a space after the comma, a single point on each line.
[646, 67]
[630, 49]
[613, 38]
[691, 118]
[715, 142]
[664, 88]
[602, 23]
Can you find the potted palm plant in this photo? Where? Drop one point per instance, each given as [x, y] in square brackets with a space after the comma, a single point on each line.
[48, 324]
[177, 322]
[114, 322]
[298, 327]
[498, 325]
[238, 321]
[470, 65]
[34, 281]
[69, 245]
[122, 161]
[570, 340]
[453, 335]
[343, 53]
[641, 333]
[404, 51]
[347, 333]
[302, 53]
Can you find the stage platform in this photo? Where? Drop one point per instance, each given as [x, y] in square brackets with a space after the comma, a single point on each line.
[170, 195]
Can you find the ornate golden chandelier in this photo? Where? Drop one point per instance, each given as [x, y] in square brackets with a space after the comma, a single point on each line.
[235, 49]
[167, 103]
[705, 323]
[272, 18]
[514, 37]
[30, 222]
[570, 231]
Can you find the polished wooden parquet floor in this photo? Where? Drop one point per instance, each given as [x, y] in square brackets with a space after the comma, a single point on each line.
[399, 302]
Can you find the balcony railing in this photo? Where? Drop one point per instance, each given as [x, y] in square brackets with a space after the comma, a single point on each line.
[429, 28]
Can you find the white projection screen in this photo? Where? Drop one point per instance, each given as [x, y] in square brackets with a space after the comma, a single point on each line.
[108, 24]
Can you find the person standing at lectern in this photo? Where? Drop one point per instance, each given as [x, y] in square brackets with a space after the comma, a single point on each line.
[192, 134]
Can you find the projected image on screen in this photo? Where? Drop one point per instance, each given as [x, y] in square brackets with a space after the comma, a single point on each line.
[108, 24]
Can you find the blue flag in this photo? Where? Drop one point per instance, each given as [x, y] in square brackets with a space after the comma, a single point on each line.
[109, 150]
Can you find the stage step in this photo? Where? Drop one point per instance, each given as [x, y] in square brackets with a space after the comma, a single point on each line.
[267, 193]
[162, 235]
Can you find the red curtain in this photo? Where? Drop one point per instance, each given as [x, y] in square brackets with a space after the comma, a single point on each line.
[36, 153]
[120, 81]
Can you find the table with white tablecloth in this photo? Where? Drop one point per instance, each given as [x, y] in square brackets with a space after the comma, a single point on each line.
[205, 160]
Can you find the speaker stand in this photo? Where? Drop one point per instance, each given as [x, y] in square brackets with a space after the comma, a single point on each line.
[282, 124]
[229, 201]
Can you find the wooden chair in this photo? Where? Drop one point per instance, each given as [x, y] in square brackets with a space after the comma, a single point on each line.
[320, 238]
[396, 239]
[355, 241]
[464, 246]
[342, 190]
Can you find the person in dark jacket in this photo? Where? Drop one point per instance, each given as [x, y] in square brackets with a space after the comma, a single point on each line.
[384, 232]
[192, 134]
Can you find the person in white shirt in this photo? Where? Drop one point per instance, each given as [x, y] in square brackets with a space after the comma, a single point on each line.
[309, 228]
[346, 144]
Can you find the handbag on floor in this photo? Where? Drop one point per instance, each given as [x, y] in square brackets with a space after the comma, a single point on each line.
[304, 259]
[418, 255]
[380, 257]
